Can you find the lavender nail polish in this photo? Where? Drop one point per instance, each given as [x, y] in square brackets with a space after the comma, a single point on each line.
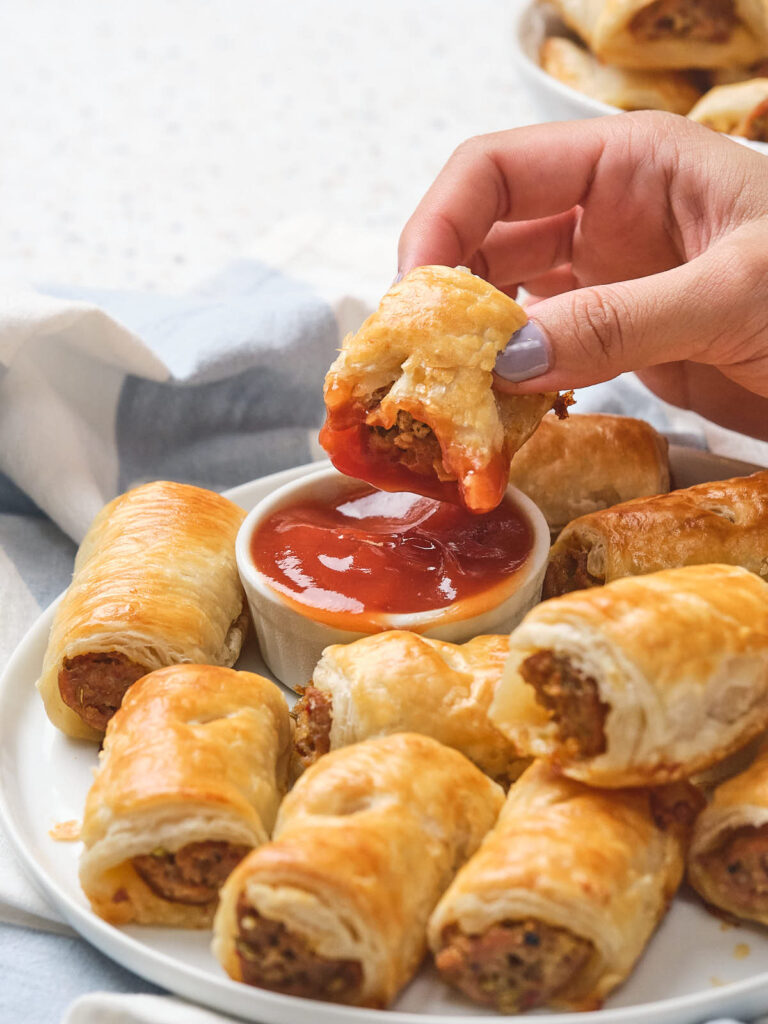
[527, 354]
[398, 278]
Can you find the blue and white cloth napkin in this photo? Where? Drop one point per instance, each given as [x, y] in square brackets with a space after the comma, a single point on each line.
[100, 391]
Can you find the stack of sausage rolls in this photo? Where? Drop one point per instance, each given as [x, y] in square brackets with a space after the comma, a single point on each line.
[704, 58]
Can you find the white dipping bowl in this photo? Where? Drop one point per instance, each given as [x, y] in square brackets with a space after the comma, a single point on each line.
[291, 642]
[552, 100]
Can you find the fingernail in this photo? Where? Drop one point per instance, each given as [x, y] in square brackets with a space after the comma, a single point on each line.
[527, 354]
[397, 279]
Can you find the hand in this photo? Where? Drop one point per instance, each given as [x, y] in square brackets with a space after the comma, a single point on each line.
[644, 235]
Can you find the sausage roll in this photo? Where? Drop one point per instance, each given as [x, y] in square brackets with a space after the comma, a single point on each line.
[400, 682]
[728, 863]
[410, 406]
[560, 900]
[724, 521]
[588, 462]
[190, 778]
[740, 109]
[664, 34]
[336, 906]
[155, 583]
[624, 88]
[643, 681]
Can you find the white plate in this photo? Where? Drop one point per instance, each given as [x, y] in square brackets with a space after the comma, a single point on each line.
[554, 100]
[691, 971]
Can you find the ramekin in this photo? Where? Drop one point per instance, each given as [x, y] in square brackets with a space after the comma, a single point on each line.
[291, 642]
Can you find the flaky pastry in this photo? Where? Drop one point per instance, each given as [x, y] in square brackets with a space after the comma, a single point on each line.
[155, 583]
[664, 34]
[561, 898]
[739, 109]
[410, 403]
[621, 87]
[646, 680]
[401, 682]
[193, 768]
[336, 906]
[724, 521]
[588, 462]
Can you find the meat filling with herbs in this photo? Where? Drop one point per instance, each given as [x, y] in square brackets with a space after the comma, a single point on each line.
[515, 965]
[739, 868]
[706, 21]
[569, 572]
[192, 874]
[313, 715]
[93, 685]
[411, 443]
[273, 957]
[573, 700]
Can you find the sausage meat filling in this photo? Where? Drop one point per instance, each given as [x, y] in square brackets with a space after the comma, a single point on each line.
[273, 957]
[515, 965]
[573, 700]
[411, 443]
[755, 125]
[739, 868]
[93, 685]
[706, 21]
[192, 874]
[569, 572]
[313, 715]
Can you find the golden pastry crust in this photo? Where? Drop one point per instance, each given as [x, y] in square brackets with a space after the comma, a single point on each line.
[669, 34]
[600, 865]
[674, 666]
[364, 845]
[739, 807]
[410, 400]
[155, 583]
[195, 754]
[588, 462]
[624, 88]
[400, 682]
[739, 109]
[725, 521]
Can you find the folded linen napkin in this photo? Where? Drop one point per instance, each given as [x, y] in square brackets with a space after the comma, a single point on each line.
[102, 390]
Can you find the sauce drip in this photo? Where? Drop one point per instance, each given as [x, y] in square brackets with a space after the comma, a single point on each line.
[397, 553]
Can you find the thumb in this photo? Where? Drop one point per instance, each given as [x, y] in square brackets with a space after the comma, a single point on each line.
[712, 310]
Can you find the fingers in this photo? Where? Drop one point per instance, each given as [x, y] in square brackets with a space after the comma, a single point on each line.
[525, 173]
[518, 252]
[712, 310]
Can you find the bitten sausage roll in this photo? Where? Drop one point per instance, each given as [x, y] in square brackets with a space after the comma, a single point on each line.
[560, 900]
[728, 863]
[400, 682]
[624, 88]
[740, 109]
[725, 521]
[155, 583]
[588, 462]
[663, 34]
[410, 406]
[643, 681]
[190, 778]
[336, 906]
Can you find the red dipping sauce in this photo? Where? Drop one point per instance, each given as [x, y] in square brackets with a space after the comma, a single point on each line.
[372, 552]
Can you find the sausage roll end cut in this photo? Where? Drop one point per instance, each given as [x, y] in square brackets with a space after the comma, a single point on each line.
[641, 682]
[560, 900]
[155, 583]
[336, 906]
[410, 403]
[401, 682]
[725, 521]
[739, 109]
[193, 768]
[728, 863]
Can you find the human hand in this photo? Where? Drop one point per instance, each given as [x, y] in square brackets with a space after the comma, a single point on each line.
[644, 235]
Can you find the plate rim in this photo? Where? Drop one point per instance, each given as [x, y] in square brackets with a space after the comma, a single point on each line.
[179, 978]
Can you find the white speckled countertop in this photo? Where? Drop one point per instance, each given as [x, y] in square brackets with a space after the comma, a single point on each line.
[146, 145]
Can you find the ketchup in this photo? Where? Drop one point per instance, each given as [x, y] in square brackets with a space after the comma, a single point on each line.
[377, 552]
